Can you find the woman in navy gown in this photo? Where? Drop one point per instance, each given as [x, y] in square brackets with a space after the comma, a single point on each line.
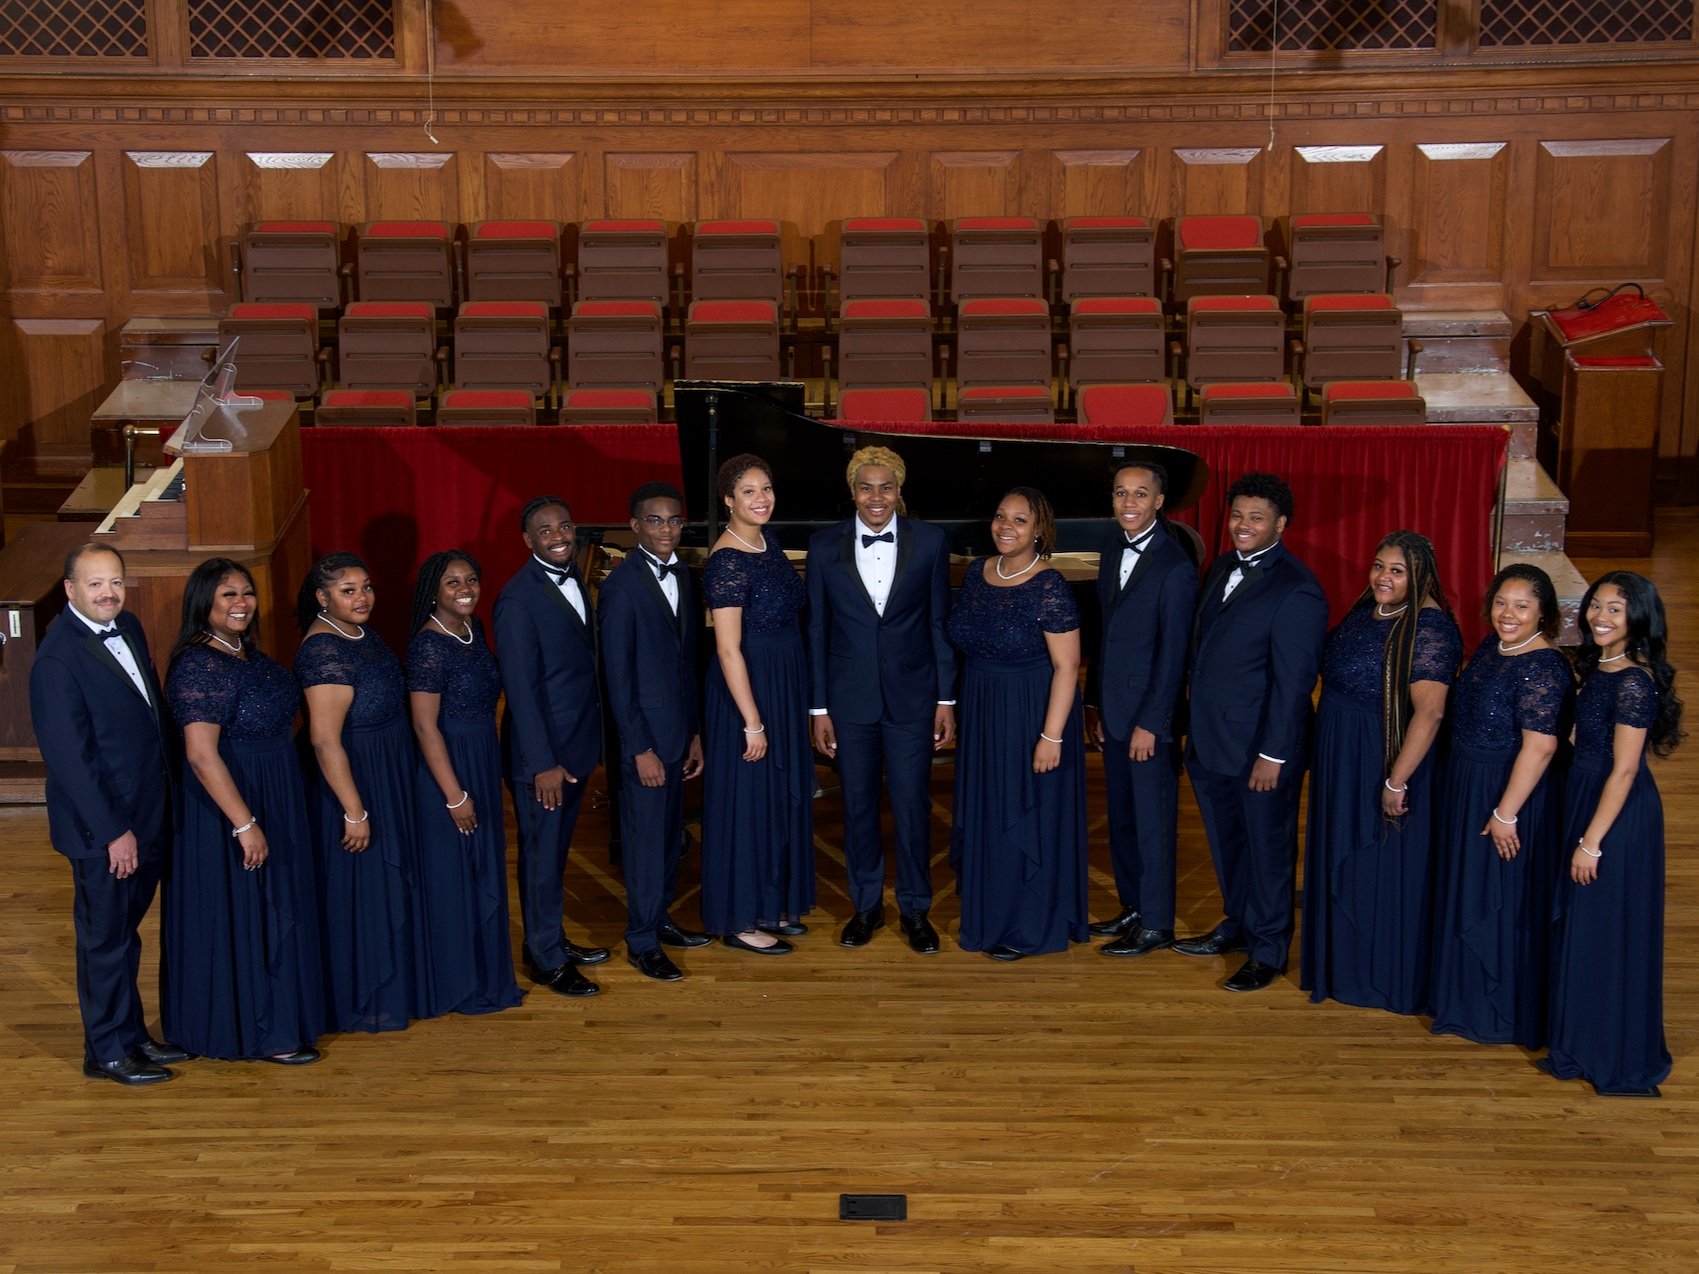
[240, 919]
[757, 802]
[452, 688]
[1607, 1002]
[1496, 835]
[1019, 841]
[362, 809]
[1368, 902]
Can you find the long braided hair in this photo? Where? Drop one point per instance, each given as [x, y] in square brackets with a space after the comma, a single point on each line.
[1423, 574]
[431, 572]
[322, 574]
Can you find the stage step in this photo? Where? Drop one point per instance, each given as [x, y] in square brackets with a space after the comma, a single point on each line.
[1568, 581]
[1534, 510]
[1460, 340]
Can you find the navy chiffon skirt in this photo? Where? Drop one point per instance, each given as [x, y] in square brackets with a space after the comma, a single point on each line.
[1368, 882]
[1019, 838]
[1607, 1005]
[241, 948]
[758, 816]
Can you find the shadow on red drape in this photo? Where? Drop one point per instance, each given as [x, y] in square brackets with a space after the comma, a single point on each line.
[394, 496]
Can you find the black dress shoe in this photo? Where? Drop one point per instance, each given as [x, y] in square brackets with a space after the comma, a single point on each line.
[1006, 954]
[784, 929]
[304, 1056]
[1215, 942]
[779, 947]
[920, 933]
[134, 1069]
[859, 931]
[1253, 975]
[654, 964]
[586, 955]
[671, 935]
[1120, 926]
[164, 1054]
[567, 980]
[1137, 942]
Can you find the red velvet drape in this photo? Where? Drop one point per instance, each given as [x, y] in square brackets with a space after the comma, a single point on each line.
[396, 495]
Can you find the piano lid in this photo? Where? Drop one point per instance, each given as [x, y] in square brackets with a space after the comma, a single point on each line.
[950, 478]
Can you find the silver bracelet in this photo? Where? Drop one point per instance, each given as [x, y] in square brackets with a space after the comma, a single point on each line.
[464, 797]
[355, 822]
[1387, 783]
[245, 827]
[760, 729]
[1591, 853]
[1497, 818]
[1047, 738]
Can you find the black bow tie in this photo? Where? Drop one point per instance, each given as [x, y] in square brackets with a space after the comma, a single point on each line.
[1254, 560]
[109, 633]
[555, 573]
[1139, 545]
[888, 537]
[662, 569]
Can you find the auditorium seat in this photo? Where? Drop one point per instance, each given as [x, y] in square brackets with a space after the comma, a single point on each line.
[1003, 341]
[1234, 338]
[1272, 402]
[506, 345]
[1336, 252]
[277, 347]
[615, 344]
[904, 404]
[883, 257]
[514, 261]
[732, 340]
[1108, 256]
[1351, 338]
[622, 261]
[391, 407]
[737, 261]
[389, 345]
[1113, 340]
[1219, 256]
[996, 257]
[293, 261]
[884, 342]
[1372, 402]
[1134, 405]
[608, 407]
[1013, 404]
[405, 261]
[487, 407]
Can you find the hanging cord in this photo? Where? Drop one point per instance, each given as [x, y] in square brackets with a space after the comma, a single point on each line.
[431, 74]
[1273, 54]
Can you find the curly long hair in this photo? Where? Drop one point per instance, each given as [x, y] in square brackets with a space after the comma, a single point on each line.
[1648, 640]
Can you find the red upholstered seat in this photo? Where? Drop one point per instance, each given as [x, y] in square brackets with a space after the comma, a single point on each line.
[1352, 338]
[506, 345]
[1115, 340]
[486, 398]
[1219, 232]
[1374, 402]
[1109, 223]
[1280, 389]
[615, 344]
[883, 257]
[515, 230]
[884, 344]
[1219, 256]
[887, 309]
[514, 261]
[1003, 341]
[504, 309]
[617, 309]
[608, 406]
[1126, 405]
[731, 340]
[752, 226]
[1108, 256]
[1008, 403]
[285, 260]
[603, 398]
[272, 310]
[405, 261]
[1023, 392]
[487, 407]
[1234, 338]
[1366, 301]
[996, 256]
[1234, 303]
[389, 309]
[732, 311]
[737, 260]
[1335, 252]
[988, 306]
[277, 347]
[370, 407]
[907, 405]
[1368, 389]
[1262, 403]
[388, 345]
[1117, 305]
[367, 398]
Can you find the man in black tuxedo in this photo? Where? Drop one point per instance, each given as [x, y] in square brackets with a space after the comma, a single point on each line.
[649, 620]
[883, 686]
[102, 727]
[1256, 649]
[551, 731]
[1147, 588]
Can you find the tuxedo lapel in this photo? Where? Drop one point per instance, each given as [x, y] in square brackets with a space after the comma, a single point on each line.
[905, 550]
[640, 563]
[846, 554]
[566, 607]
[103, 656]
[1139, 568]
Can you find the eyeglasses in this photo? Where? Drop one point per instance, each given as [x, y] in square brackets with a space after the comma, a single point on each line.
[656, 521]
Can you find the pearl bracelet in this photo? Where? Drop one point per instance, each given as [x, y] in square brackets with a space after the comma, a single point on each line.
[464, 797]
[1591, 853]
[245, 827]
[1047, 738]
[1497, 818]
[760, 729]
[1387, 783]
[355, 822]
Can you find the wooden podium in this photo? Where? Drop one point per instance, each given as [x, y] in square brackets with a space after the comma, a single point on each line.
[1600, 386]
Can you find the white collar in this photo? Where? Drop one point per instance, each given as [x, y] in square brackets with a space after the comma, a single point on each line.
[94, 627]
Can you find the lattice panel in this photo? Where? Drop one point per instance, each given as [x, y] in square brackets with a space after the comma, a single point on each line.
[73, 28]
[1327, 26]
[1524, 23]
[360, 29]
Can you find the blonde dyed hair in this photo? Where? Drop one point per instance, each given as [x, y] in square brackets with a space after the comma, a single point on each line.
[884, 458]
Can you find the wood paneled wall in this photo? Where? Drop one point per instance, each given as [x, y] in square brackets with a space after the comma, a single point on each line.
[1510, 189]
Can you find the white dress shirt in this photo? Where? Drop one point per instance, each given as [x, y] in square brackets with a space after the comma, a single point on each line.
[669, 581]
[1133, 552]
[568, 588]
[119, 645]
[876, 563]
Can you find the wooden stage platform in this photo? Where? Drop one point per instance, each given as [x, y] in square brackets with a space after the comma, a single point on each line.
[1068, 1113]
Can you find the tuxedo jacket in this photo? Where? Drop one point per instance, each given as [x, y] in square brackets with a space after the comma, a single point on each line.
[1139, 669]
[108, 750]
[548, 671]
[649, 659]
[1254, 662]
[865, 667]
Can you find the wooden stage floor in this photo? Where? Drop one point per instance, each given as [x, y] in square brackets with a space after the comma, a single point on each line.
[1069, 1113]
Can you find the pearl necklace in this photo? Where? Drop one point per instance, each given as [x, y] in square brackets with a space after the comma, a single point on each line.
[236, 648]
[1613, 658]
[1017, 574]
[1505, 650]
[1383, 614]
[358, 635]
[464, 641]
[756, 548]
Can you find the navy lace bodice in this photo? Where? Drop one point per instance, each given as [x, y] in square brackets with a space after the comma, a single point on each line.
[465, 676]
[764, 585]
[1499, 696]
[1007, 625]
[380, 689]
[1355, 659]
[1607, 700]
[249, 699]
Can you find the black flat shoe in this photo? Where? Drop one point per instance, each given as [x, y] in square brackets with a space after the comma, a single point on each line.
[132, 1070]
[164, 1054]
[654, 964]
[779, 947]
[785, 929]
[671, 935]
[568, 981]
[1006, 954]
[859, 931]
[300, 1057]
[1138, 942]
[920, 933]
[1216, 942]
[586, 955]
[1121, 925]
[1253, 975]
